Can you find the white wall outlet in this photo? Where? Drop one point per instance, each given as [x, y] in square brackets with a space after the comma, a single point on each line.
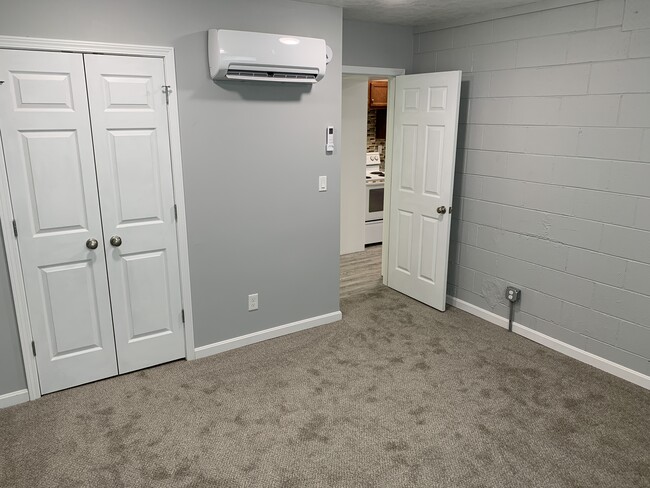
[253, 302]
[322, 183]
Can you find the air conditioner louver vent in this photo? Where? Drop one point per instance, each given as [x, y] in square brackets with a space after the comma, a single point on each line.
[239, 74]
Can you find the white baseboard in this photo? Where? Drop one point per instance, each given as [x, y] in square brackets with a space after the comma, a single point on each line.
[559, 346]
[280, 330]
[14, 398]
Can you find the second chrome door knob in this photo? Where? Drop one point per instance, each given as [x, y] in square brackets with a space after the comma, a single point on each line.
[116, 241]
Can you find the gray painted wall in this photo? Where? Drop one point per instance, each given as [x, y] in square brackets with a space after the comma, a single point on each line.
[552, 188]
[251, 154]
[12, 373]
[377, 45]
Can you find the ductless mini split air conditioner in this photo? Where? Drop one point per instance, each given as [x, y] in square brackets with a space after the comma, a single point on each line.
[255, 56]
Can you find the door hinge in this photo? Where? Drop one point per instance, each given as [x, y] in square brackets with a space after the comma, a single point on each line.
[167, 90]
[15, 228]
[34, 348]
[183, 315]
[176, 212]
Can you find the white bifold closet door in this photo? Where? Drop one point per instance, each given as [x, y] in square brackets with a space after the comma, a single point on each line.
[129, 121]
[96, 308]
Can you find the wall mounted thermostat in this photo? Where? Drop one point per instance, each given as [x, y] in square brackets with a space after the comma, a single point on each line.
[329, 145]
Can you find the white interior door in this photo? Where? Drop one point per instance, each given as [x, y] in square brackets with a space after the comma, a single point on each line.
[422, 179]
[131, 141]
[45, 132]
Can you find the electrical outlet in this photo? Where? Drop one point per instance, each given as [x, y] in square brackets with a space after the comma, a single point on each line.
[513, 294]
[253, 302]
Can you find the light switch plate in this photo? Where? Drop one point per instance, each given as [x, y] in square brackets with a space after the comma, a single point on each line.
[322, 183]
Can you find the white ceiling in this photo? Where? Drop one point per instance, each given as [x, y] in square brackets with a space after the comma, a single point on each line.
[416, 12]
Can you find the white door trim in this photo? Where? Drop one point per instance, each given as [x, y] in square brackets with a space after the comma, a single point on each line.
[6, 211]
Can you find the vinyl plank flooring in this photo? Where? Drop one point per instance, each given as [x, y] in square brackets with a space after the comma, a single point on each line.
[361, 271]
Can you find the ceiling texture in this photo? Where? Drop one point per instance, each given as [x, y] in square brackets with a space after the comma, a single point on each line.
[417, 12]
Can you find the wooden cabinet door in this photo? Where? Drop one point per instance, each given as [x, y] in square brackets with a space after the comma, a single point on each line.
[378, 94]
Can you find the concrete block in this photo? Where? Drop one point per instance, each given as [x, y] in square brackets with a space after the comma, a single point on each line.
[473, 34]
[645, 147]
[598, 45]
[637, 278]
[453, 59]
[582, 173]
[483, 213]
[505, 191]
[574, 232]
[628, 76]
[487, 163]
[475, 85]
[478, 259]
[424, 62]
[560, 333]
[640, 44]
[465, 232]
[617, 355]
[554, 80]
[530, 167]
[588, 322]
[470, 186]
[548, 198]
[642, 214]
[541, 305]
[490, 57]
[555, 21]
[610, 13]
[531, 249]
[605, 143]
[637, 15]
[490, 111]
[590, 110]
[461, 277]
[626, 243]
[542, 51]
[535, 110]
[524, 221]
[623, 304]
[634, 338]
[613, 208]
[596, 266]
[566, 287]
[630, 177]
[470, 136]
[551, 140]
[510, 138]
[434, 40]
[492, 289]
[517, 272]
[492, 305]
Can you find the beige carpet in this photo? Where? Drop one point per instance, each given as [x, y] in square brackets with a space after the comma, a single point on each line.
[395, 395]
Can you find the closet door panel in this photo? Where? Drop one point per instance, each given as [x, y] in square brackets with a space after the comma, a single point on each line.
[131, 141]
[47, 144]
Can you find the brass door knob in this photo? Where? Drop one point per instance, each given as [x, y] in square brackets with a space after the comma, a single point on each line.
[116, 241]
[441, 210]
[92, 243]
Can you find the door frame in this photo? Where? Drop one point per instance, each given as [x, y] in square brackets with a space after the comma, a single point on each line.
[389, 74]
[6, 211]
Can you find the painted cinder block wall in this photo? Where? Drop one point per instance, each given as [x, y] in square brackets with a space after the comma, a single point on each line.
[553, 170]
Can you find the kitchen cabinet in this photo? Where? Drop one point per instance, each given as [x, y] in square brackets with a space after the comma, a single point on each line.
[378, 93]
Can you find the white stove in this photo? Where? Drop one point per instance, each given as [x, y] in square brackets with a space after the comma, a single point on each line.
[373, 173]
[374, 199]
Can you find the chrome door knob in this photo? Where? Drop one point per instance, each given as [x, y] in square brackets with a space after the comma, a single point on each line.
[92, 243]
[116, 241]
[441, 210]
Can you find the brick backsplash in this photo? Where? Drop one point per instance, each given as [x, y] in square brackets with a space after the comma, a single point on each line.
[372, 143]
